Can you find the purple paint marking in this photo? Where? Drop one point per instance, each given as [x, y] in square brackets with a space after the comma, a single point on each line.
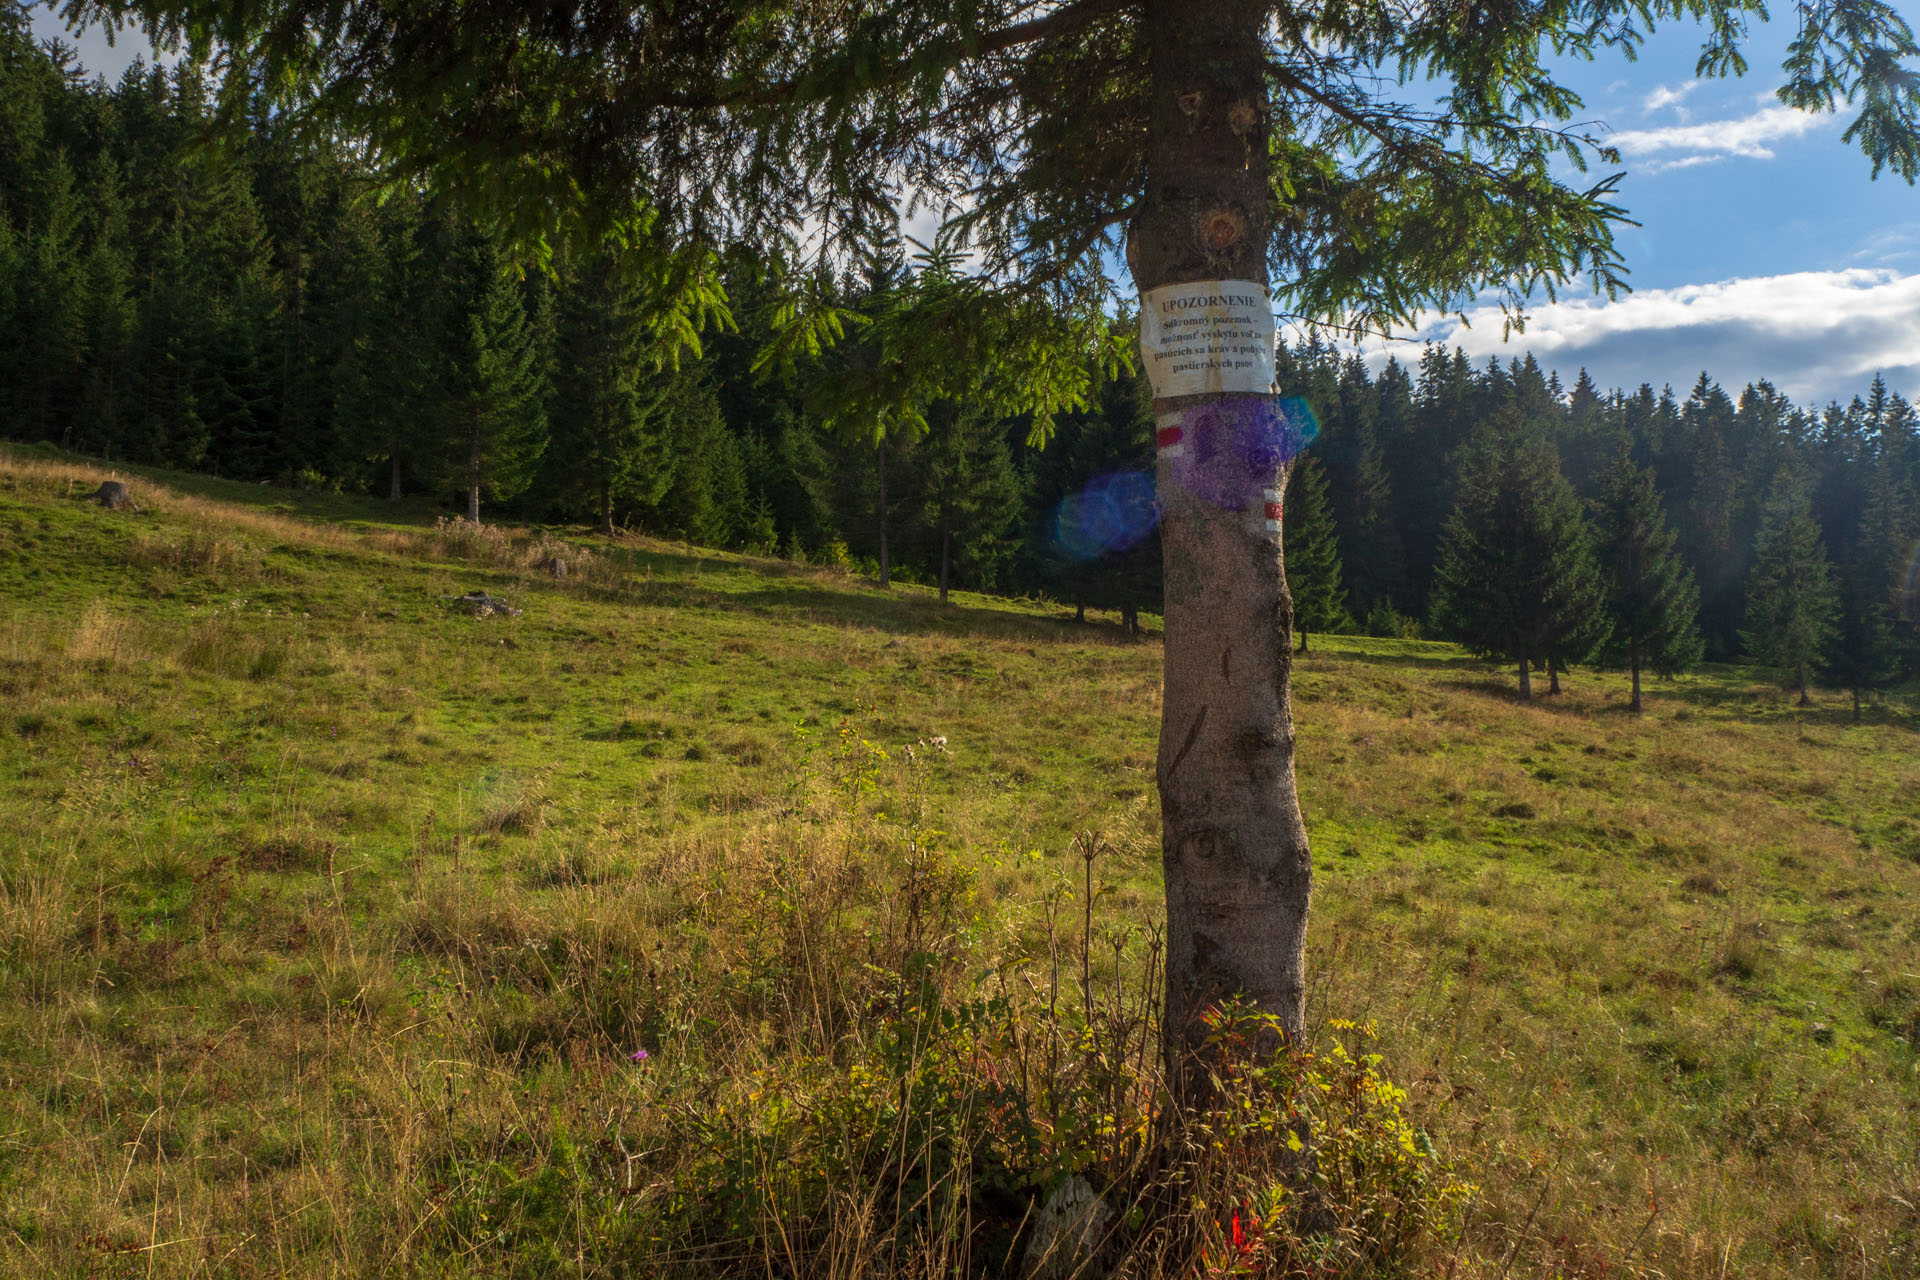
[1235, 447]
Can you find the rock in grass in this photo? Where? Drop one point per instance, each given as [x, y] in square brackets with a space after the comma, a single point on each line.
[1068, 1233]
[557, 566]
[112, 494]
[482, 605]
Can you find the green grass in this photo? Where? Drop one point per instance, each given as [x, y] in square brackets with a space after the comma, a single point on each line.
[330, 916]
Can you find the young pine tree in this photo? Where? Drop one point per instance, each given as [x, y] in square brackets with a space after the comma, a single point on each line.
[1790, 596]
[1312, 554]
[496, 422]
[1516, 578]
[1651, 596]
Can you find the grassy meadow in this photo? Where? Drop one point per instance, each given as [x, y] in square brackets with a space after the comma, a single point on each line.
[345, 933]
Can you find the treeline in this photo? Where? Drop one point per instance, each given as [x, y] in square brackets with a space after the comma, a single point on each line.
[1570, 525]
[179, 296]
[174, 296]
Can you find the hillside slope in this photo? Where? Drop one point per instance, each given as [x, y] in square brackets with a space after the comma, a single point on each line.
[333, 917]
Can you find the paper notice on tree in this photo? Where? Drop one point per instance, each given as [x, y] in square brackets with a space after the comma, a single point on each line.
[1208, 337]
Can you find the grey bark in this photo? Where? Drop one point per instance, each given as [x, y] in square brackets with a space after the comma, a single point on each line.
[1234, 846]
[393, 491]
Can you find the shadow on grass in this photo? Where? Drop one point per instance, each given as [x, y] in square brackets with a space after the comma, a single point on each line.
[1434, 661]
[904, 614]
[350, 510]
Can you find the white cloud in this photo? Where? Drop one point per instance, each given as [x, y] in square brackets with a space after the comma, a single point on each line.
[1816, 335]
[1662, 97]
[1684, 162]
[1747, 136]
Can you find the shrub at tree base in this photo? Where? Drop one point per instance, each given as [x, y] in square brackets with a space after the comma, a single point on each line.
[930, 1144]
[879, 1093]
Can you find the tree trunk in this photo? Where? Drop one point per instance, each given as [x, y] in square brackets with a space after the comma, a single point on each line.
[606, 507]
[1553, 677]
[1079, 611]
[1800, 678]
[1856, 706]
[473, 485]
[1238, 873]
[1526, 678]
[946, 544]
[1633, 662]
[393, 490]
[883, 516]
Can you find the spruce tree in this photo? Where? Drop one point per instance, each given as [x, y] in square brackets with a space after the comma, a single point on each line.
[1376, 575]
[110, 320]
[971, 496]
[496, 422]
[52, 336]
[168, 362]
[1312, 551]
[608, 439]
[1651, 597]
[391, 395]
[1516, 577]
[1791, 599]
[1092, 537]
[1861, 655]
[707, 502]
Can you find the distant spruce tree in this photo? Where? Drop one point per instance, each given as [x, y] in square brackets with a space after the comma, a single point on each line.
[110, 319]
[1092, 539]
[51, 334]
[348, 337]
[1516, 577]
[971, 494]
[1312, 550]
[608, 439]
[1791, 601]
[1861, 656]
[496, 422]
[1651, 597]
[706, 503]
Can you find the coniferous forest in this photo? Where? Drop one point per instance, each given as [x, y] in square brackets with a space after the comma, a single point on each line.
[248, 306]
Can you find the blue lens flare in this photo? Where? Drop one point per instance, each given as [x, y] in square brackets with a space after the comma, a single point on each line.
[1299, 425]
[1113, 513]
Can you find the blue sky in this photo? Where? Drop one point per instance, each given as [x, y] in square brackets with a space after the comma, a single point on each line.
[1764, 250]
